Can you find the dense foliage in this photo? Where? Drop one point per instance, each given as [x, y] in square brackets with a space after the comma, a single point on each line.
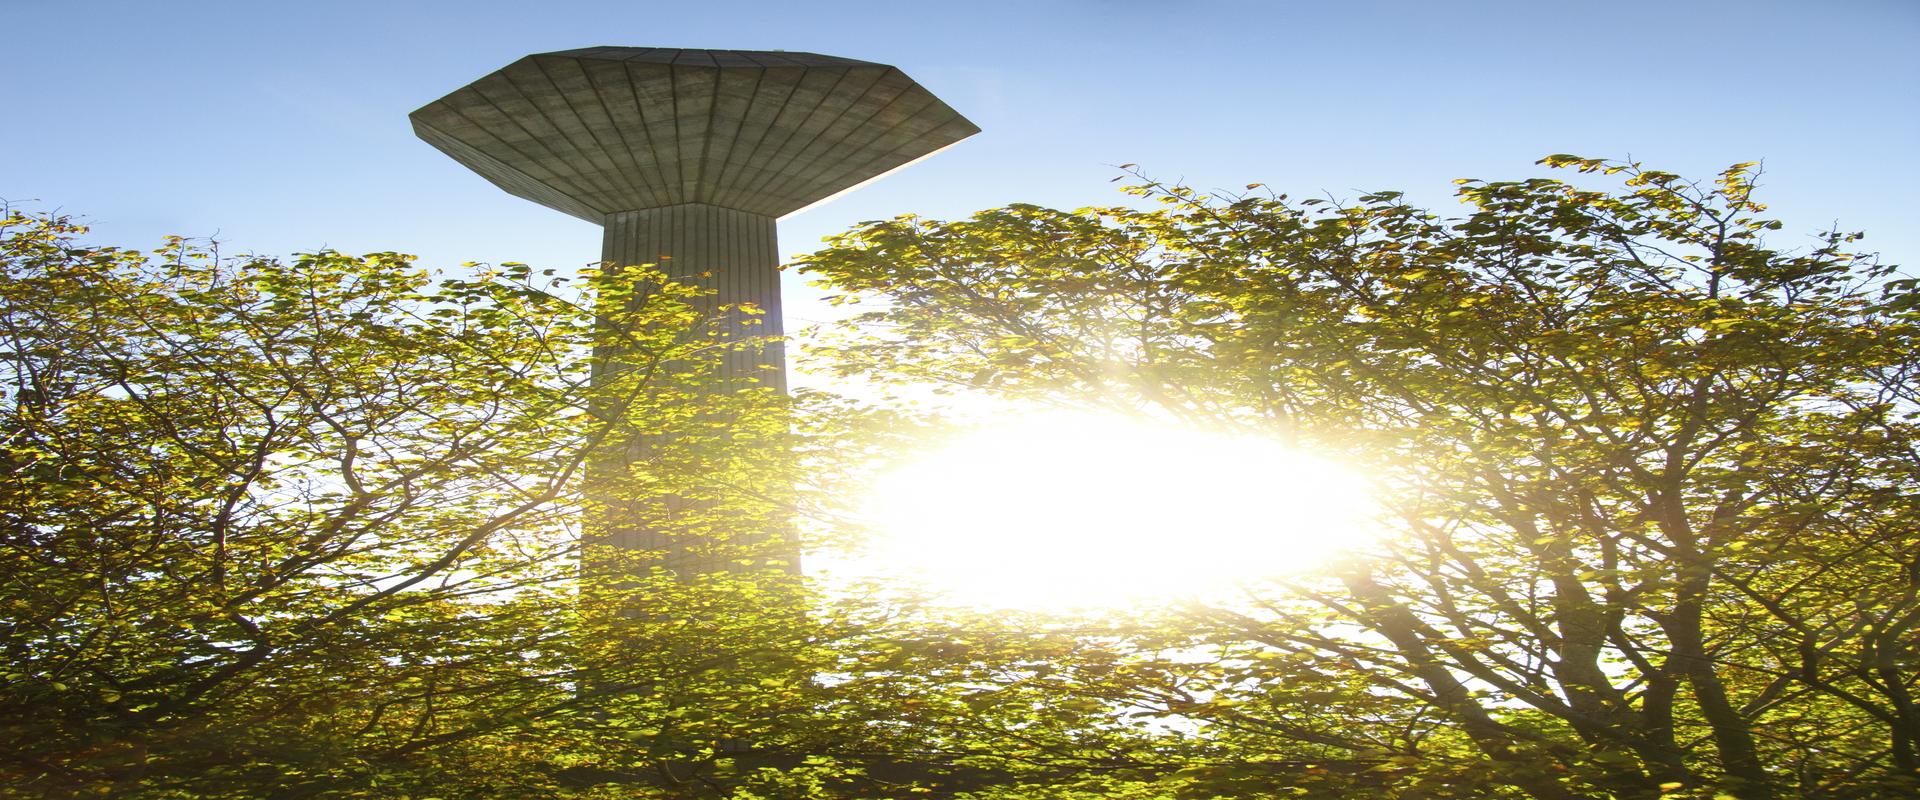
[1653, 482]
[312, 528]
[326, 527]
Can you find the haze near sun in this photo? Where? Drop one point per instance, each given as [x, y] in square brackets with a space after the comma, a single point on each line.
[1063, 511]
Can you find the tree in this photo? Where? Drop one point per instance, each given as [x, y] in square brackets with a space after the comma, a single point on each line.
[1652, 478]
[311, 528]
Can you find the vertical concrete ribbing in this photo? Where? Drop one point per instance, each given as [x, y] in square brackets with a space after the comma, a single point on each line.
[735, 254]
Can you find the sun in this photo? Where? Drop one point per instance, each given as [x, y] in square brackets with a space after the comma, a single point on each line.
[1064, 511]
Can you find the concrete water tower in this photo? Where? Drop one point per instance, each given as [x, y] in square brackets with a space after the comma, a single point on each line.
[686, 158]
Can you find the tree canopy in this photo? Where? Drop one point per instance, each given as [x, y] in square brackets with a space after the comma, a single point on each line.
[314, 528]
[1651, 474]
[330, 527]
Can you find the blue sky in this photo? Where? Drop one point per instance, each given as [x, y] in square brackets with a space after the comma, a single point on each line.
[281, 127]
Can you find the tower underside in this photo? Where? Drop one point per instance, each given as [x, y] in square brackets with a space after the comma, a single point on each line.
[601, 130]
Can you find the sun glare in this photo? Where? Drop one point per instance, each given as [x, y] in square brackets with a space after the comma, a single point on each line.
[1058, 511]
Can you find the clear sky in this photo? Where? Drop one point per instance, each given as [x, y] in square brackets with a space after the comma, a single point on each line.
[281, 126]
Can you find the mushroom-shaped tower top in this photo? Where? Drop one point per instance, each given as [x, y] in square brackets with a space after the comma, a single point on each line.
[601, 130]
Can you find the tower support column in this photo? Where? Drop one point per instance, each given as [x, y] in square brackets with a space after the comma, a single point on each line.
[733, 257]
[733, 253]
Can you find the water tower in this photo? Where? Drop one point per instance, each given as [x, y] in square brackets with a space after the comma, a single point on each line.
[686, 158]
